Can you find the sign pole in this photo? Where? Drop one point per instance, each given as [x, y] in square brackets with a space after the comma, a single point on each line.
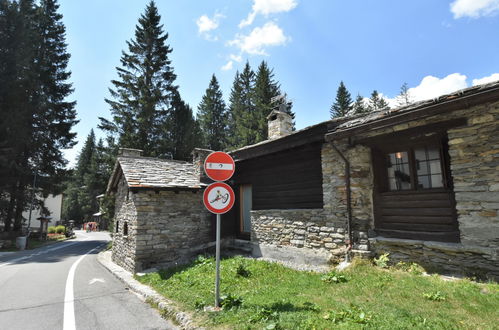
[217, 256]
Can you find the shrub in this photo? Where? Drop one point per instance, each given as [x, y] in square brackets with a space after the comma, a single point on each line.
[411, 267]
[51, 230]
[229, 301]
[60, 229]
[354, 314]
[434, 296]
[243, 271]
[334, 277]
[382, 260]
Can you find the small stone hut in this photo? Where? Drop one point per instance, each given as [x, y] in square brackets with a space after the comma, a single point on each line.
[160, 218]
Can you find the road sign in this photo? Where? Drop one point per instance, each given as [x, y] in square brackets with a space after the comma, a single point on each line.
[218, 198]
[219, 166]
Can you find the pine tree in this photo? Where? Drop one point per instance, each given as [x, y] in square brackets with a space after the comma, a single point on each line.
[235, 108]
[184, 132]
[343, 102]
[212, 117]
[376, 102]
[142, 97]
[404, 98]
[359, 106]
[40, 120]
[264, 90]
[242, 109]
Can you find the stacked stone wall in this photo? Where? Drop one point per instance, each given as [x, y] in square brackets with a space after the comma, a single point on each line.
[124, 245]
[171, 225]
[452, 258]
[361, 185]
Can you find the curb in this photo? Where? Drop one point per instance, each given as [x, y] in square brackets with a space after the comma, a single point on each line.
[146, 293]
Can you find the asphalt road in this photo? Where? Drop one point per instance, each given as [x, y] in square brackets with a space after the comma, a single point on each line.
[63, 286]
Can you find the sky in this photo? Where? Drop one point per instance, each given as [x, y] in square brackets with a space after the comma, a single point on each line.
[435, 46]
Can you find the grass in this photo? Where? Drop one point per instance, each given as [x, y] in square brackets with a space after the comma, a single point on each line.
[272, 296]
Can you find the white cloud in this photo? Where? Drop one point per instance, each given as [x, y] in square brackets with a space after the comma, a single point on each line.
[268, 35]
[227, 66]
[431, 87]
[267, 7]
[474, 8]
[206, 24]
[237, 58]
[485, 80]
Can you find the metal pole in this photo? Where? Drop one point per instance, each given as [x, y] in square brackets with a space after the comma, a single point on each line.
[217, 257]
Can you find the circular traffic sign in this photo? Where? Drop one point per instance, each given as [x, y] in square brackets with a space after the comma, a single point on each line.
[219, 166]
[218, 198]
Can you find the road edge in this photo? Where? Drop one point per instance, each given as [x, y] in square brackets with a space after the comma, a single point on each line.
[146, 293]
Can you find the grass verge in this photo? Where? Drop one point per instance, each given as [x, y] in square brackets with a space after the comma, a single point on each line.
[34, 243]
[263, 295]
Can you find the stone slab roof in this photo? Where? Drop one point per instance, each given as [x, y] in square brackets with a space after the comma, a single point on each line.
[144, 172]
[420, 109]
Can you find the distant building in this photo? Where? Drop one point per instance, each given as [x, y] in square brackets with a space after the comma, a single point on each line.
[53, 204]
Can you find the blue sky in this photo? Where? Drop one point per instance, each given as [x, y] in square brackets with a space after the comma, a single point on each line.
[435, 46]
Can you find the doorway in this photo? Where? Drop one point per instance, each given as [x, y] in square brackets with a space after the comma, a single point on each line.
[246, 203]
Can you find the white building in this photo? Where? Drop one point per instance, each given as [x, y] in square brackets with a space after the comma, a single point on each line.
[53, 204]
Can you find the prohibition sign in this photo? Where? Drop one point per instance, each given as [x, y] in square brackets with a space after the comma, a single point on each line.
[218, 198]
[219, 166]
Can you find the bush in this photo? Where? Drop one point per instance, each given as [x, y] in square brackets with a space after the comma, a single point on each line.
[60, 229]
[382, 260]
[243, 271]
[51, 230]
[334, 277]
[229, 301]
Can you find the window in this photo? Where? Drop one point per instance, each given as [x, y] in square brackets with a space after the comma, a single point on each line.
[125, 228]
[399, 175]
[415, 168]
[117, 226]
[428, 167]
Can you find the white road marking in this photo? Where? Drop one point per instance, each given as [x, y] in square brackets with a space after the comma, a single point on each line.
[69, 307]
[94, 280]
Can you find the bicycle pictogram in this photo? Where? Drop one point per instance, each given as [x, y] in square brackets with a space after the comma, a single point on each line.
[220, 197]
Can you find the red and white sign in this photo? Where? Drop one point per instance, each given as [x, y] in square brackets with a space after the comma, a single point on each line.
[219, 166]
[218, 198]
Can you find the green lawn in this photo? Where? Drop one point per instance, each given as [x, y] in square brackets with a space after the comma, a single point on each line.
[272, 296]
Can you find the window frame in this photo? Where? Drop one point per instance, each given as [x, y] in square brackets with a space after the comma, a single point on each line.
[439, 141]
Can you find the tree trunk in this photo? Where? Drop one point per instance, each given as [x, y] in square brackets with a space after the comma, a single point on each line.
[10, 210]
[18, 217]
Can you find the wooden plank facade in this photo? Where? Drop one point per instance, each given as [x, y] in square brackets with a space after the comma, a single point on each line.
[290, 179]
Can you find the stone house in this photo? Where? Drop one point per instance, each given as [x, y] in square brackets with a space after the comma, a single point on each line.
[420, 182]
[160, 218]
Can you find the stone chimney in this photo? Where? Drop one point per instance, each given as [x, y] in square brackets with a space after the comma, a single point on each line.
[280, 123]
[127, 152]
[198, 157]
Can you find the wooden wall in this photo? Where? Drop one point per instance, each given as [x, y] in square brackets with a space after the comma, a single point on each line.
[290, 179]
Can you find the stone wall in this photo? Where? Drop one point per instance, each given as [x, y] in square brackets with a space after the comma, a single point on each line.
[125, 212]
[171, 225]
[474, 152]
[164, 227]
[302, 236]
[452, 258]
[361, 185]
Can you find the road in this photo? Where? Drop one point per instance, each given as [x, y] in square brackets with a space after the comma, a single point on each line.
[63, 286]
